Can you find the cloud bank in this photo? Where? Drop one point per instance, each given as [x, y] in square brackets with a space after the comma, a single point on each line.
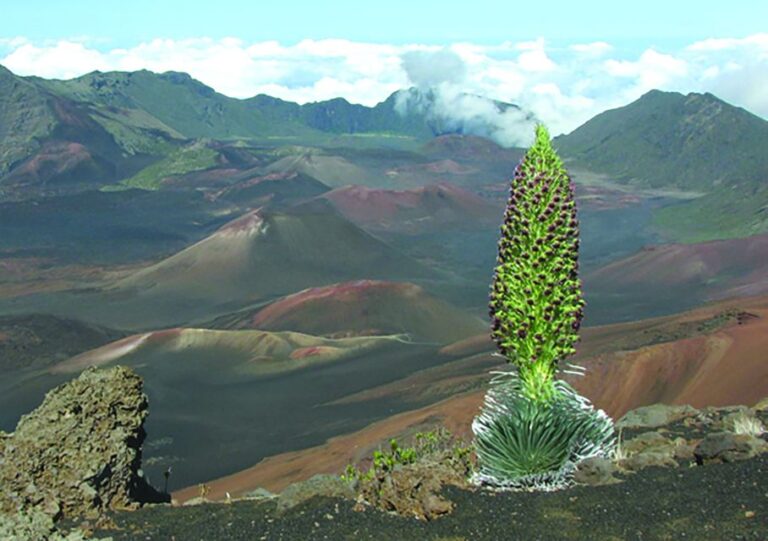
[562, 86]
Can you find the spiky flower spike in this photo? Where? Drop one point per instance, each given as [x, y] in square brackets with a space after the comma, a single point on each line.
[535, 302]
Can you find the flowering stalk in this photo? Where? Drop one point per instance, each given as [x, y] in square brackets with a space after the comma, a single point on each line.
[535, 303]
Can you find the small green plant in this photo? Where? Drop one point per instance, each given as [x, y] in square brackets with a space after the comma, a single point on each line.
[424, 444]
[533, 428]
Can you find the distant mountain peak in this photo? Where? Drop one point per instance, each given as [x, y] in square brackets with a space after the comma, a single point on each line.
[670, 140]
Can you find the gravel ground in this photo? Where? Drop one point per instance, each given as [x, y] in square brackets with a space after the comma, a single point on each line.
[715, 502]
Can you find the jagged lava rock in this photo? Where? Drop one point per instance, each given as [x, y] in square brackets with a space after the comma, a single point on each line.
[654, 416]
[596, 470]
[79, 452]
[728, 447]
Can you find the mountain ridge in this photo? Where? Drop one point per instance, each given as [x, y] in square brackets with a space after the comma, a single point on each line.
[667, 139]
[694, 142]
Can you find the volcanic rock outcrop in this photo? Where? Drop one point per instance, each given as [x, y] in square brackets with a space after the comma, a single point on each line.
[79, 453]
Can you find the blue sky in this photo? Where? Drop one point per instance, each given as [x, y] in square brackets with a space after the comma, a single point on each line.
[664, 23]
[565, 61]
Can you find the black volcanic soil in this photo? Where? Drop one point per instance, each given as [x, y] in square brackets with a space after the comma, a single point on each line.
[715, 502]
[39, 340]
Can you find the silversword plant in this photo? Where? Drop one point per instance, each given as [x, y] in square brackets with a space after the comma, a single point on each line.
[533, 428]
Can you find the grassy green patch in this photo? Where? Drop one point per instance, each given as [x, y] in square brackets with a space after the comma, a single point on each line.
[178, 162]
[136, 131]
[724, 214]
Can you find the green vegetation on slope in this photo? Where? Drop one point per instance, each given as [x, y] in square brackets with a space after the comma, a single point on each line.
[195, 110]
[726, 213]
[25, 117]
[695, 142]
[176, 100]
[136, 131]
[178, 162]
[664, 139]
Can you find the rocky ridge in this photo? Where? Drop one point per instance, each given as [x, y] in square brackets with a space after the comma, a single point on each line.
[78, 454]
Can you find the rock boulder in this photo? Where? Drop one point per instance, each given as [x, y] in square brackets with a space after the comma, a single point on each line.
[79, 453]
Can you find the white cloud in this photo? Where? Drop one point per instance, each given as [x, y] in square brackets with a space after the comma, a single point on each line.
[534, 58]
[64, 60]
[653, 70]
[432, 68]
[596, 48]
[759, 41]
[562, 86]
[735, 69]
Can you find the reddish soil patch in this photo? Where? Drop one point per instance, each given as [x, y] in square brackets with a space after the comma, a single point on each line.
[351, 292]
[301, 353]
[406, 210]
[739, 260]
[165, 335]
